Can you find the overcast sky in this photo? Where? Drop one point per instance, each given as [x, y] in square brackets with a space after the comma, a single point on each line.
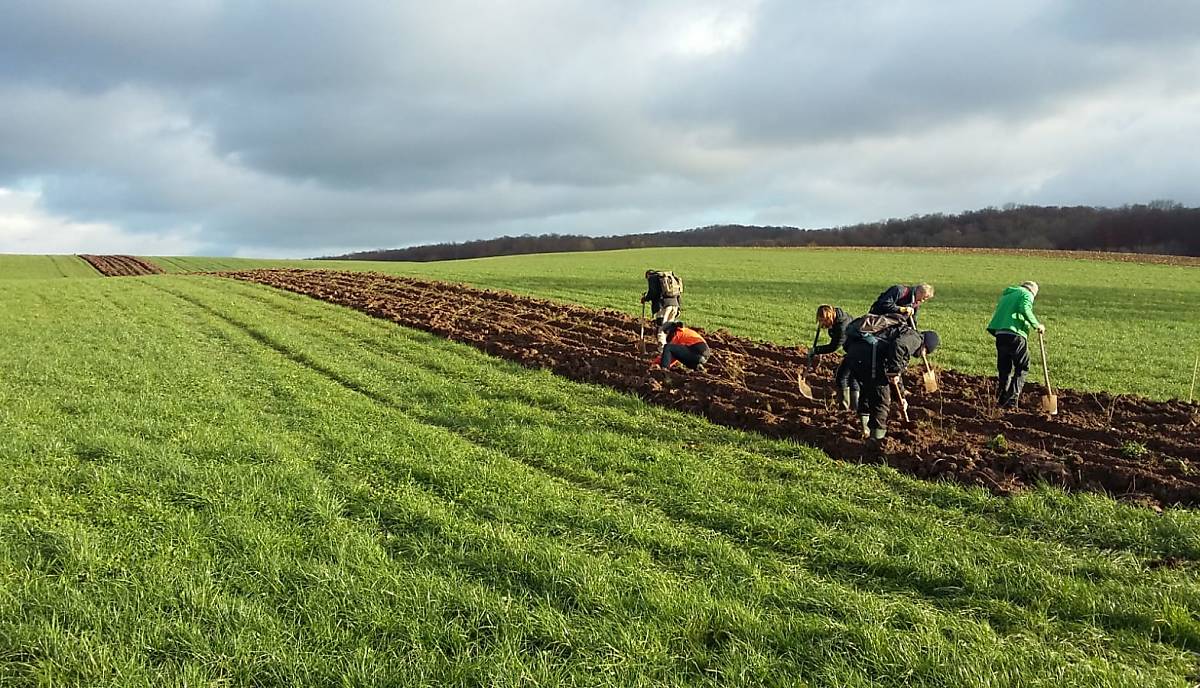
[297, 128]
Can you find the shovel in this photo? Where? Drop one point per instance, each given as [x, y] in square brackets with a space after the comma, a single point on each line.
[801, 383]
[1049, 399]
[642, 330]
[1192, 389]
[928, 377]
[903, 403]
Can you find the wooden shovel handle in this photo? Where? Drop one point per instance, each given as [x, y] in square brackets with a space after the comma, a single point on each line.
[1045, 366]
[642, 330]
[900, 400]
[816, 338]
[925, 359]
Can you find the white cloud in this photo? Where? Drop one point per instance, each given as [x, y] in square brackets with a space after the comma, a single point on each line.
[26, 227]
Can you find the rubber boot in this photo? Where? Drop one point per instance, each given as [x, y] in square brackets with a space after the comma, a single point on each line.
[1018, 386]
[866, 426]
[854, 399]
[878, 434]
[844, 398]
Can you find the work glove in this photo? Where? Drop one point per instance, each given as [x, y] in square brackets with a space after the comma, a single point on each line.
[643, 300]
[906, 310]
[1041, 328]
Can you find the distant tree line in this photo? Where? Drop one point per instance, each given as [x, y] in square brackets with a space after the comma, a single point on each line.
[1161, 227]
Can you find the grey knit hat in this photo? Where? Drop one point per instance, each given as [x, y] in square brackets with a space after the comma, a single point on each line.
[1031, 287]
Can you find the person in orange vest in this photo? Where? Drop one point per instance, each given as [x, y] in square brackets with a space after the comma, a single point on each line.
[684, 345]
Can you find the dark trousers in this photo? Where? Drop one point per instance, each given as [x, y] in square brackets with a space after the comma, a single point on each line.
[844, 376]
[690, 356]
[875, 394]
[1012, 363]
[875, 401]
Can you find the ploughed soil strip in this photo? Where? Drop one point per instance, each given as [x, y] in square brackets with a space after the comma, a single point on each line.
[122, 266]
[1129, 447]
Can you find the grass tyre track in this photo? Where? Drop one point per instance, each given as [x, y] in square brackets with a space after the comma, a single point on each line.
[751, 385]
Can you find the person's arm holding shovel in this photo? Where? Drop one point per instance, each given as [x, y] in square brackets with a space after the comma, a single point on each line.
[834, 320]
[1027, 314]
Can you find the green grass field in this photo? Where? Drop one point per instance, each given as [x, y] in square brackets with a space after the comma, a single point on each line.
[1120, 327]
[209, 482]
[43, 267]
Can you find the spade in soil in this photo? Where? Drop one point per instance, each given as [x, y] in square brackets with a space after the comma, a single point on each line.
[928, 377]
[1049, 399]
[802, 384]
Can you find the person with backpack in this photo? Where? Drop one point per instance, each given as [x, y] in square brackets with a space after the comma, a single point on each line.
[902, 300]
[683, 345]
[878, 349]
[834, 321]
[1010, 325]
[663, 292]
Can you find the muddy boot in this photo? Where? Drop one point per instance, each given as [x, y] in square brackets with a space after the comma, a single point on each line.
[844, 398]
[1008, 401]
[1018, 386]
[866, 426]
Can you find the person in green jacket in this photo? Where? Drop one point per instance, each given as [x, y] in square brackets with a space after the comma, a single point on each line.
[1010, 326]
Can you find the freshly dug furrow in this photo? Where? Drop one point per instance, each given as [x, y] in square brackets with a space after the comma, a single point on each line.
[956, 433]
[122, 266]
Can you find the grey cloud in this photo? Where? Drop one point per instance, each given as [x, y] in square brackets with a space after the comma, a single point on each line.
[853, 70]
[289, 125]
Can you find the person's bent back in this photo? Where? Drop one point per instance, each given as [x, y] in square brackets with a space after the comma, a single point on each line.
[903, 300]
[684, 345]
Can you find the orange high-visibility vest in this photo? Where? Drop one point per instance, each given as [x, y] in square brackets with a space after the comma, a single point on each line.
[687, 337]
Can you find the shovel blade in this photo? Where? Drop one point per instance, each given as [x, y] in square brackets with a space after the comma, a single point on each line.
[802, 386]
[1050, 404]
[930, 380]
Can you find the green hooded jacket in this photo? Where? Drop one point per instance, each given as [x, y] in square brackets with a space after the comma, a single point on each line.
[1014, 313]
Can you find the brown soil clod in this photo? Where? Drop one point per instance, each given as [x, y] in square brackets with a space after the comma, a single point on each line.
[752, 385]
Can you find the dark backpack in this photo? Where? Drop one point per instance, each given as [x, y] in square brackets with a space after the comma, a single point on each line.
[871, 328]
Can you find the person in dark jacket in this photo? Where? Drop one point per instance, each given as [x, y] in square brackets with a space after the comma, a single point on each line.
[902, 299]
[834, 321]
[684, 345]
[877, 366]
[665, 308]
[1010, 325]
